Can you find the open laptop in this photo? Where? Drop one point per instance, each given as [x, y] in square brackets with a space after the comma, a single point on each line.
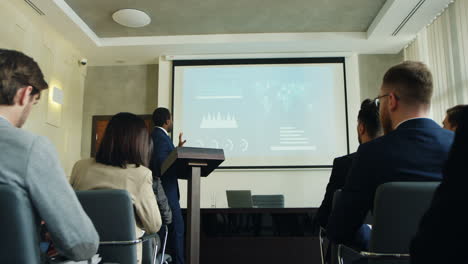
[239, 198]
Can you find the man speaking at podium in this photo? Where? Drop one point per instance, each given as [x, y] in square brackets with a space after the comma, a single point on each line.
[162, 148]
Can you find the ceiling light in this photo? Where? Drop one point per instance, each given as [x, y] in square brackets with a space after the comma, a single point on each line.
[131, 18]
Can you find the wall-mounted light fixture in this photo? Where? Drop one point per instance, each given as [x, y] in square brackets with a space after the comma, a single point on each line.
[57, 95]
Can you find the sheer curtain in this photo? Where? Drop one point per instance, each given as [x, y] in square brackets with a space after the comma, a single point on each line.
[443, 46]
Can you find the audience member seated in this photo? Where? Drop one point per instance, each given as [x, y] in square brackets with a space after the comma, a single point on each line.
[443, 231]
[453, 117]
[29, 163]
[121, 163]
[414, 148]
[368, 129]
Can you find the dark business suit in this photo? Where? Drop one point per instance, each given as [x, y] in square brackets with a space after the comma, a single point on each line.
[443, 230]
[415, 151]
[162, 148]
[341, 168]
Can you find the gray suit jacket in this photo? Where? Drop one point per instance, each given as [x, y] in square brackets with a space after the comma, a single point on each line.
[29, 163]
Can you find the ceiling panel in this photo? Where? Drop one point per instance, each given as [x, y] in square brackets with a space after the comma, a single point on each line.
[182, 17]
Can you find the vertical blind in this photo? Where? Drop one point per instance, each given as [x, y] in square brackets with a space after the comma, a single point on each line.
[443, 46]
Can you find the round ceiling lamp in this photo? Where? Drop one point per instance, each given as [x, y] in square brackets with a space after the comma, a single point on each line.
[131, 18]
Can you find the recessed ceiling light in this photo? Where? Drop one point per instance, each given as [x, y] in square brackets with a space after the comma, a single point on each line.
[131, 18]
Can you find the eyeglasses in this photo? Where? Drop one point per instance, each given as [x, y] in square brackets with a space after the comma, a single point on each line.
[377, 99]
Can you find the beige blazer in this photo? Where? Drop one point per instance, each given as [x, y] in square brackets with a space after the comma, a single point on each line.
[87, 174]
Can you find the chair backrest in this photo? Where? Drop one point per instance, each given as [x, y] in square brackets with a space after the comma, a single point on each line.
[111, 212]
[336, 197]
[20, 233]
[268, 201]
[398, 209]
[239, 199]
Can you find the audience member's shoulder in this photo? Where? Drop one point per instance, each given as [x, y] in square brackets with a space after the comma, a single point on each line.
[146, 174]
[20, 136]
[374, 145]
[345, 157]
[447, 133]
[85, 163]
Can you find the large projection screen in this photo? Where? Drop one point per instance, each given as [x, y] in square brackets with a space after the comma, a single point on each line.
[264, 113]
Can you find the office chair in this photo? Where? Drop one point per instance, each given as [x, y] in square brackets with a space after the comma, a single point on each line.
[148, 250]
[275, 221]
[268, 201]
[20, 235]
[323, 232]
[239, 198]
[398, 209]
[112, 214]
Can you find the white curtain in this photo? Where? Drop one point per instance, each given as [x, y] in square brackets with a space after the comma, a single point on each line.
[443, 46]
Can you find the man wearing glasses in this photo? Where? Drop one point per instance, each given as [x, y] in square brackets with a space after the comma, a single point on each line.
[413, 148]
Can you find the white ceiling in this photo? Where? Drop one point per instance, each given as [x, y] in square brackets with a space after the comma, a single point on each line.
[380, 36]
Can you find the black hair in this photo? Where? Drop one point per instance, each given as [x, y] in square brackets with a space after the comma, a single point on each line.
[454, 114]
[160, 116]
[369, 117]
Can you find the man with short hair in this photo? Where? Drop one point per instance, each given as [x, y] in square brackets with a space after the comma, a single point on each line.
[368, 129]
[29, 163]
[453, 117]
[414, 148]
[163, 146]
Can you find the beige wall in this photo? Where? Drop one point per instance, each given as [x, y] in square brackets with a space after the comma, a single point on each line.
[23, 29]
[113, 89]
[372, 68]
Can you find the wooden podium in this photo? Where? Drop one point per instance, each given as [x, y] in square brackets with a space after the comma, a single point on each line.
[191, 164]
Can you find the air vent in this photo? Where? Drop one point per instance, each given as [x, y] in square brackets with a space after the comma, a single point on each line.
[33, 6]
[408, 17]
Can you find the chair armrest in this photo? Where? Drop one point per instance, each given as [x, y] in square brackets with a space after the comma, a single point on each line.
[349, 254]
[130, 242]
[146, 237]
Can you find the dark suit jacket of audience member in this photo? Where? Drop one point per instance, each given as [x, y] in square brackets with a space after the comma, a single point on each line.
[163, 146]
[443, 230]
[416, 151]
[341, 168]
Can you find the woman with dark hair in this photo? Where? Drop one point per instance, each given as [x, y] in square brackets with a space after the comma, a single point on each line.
[122, 163]
[443, 230]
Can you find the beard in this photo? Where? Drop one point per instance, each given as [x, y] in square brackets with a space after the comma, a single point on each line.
[386, 121]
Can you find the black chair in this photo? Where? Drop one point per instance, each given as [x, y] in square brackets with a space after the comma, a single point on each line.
[268, 201]
[20, 232]
[112, 213]
[149, 246]
[398, 209]
[324, 251]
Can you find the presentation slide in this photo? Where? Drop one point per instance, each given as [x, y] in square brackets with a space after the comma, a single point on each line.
[263, 115]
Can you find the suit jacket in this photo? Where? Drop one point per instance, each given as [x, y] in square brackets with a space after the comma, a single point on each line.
[341, 168]
[415, 151]
[29, 164]
[87, 174]
[443, 230]
[162, 148]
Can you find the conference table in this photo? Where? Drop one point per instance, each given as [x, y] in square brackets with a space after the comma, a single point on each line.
[257, 235]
